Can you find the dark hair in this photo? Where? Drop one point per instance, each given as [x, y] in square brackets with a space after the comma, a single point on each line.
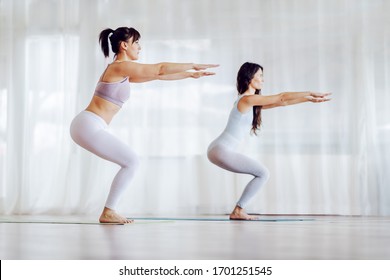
[244, 78]
[121, 34]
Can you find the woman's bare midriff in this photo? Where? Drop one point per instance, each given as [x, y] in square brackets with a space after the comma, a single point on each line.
[103, 108]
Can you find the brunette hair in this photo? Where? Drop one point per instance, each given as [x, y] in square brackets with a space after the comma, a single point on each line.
[244, 78]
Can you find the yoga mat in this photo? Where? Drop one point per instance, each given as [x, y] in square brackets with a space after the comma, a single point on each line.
[224, 219]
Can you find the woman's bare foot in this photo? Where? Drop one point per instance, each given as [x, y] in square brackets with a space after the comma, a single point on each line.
[239, 214]
[110, 216]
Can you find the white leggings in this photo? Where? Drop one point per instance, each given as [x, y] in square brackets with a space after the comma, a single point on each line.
[227, 158]
[90, 132]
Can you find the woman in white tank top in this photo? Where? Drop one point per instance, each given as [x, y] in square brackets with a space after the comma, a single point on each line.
[244, 117]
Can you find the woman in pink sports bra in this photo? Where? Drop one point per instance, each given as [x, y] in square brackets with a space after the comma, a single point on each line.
[89, 128]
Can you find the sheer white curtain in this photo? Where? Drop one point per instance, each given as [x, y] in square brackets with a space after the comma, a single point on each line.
[328, 158]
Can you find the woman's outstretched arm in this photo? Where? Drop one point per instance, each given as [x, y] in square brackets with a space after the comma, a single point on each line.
[281, 99]
[139, 73]
[292, 98]
[184, 75]
[171, 68]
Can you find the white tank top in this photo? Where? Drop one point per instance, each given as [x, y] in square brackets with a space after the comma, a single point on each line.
[239, 124]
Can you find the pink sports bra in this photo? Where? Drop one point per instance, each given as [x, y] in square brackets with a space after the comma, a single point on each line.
[116, 92]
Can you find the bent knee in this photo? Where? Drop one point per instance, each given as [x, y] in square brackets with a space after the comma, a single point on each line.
[132, 161]
[263, 172]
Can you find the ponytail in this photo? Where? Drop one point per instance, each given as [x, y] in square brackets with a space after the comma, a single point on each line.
[121, 34]
[103, 40]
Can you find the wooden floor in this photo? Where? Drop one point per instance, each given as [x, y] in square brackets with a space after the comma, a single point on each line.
[319, 237]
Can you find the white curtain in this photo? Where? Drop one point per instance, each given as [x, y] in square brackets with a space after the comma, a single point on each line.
[330, 158]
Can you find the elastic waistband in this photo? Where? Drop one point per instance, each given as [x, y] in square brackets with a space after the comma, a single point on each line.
[226, 135]
[95, 116]
[227, 140]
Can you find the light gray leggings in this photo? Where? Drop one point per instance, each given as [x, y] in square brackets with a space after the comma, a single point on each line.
[229, 159]
[90, 132]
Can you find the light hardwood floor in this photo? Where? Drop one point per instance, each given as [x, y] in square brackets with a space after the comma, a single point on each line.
[324, 238]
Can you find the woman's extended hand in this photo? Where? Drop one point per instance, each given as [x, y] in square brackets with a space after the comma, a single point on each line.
[199, 74]
[318, 97]
[198, 67]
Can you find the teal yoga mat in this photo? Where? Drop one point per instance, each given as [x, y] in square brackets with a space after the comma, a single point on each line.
[223, 219]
